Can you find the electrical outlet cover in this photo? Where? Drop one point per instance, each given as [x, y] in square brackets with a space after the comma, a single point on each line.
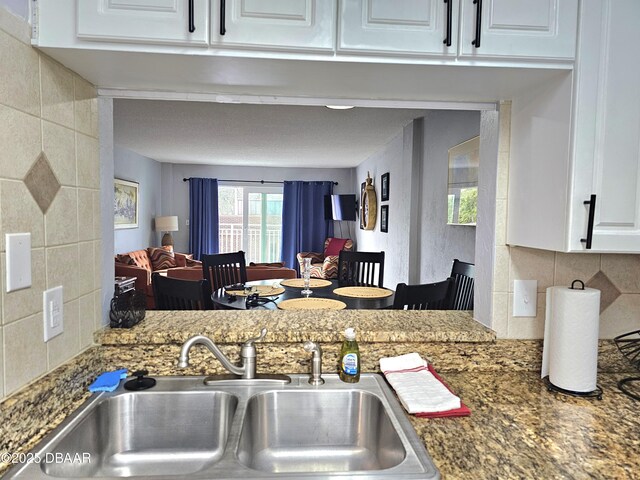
[525, 298]
[52, 308]
[18, 261]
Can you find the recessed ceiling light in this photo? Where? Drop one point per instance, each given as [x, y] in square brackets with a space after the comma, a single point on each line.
[339, 107]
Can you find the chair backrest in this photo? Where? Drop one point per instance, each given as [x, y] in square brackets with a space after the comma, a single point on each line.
[224, 269]
[361, 269]
[176, 294]
[428, 296]
[463, 274]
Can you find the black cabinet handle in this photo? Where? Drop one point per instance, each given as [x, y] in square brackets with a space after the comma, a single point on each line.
[592, 211]
[447, 38]
[192, 24]
[223, 9]
[476, 41]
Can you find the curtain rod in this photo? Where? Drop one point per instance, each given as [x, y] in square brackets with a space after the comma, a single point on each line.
[249, 181]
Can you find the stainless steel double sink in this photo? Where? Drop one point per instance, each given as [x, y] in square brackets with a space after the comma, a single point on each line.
[182, 428]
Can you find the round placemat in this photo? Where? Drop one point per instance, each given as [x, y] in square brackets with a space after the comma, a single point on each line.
[311, 303]
[363, 292]
[262, 290]
[299, 282]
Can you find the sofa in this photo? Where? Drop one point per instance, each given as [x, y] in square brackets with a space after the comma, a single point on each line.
[255, 271]
[142, 263]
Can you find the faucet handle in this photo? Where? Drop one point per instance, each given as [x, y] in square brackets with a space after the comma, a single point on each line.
[310, 346]
[251, 341]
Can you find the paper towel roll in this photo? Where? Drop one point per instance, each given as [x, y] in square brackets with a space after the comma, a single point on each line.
[570, 353]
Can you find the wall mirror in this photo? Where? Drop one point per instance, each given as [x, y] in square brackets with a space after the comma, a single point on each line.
[462, 198]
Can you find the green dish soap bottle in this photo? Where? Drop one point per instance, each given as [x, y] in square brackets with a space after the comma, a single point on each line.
[350, 358]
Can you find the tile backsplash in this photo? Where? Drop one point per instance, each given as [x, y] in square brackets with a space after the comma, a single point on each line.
[49, 186]
[616, 275]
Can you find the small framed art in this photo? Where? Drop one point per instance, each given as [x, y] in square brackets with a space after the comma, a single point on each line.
[384, 218]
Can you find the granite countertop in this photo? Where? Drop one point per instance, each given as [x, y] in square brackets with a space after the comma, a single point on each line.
[160, 327]
[519, 430]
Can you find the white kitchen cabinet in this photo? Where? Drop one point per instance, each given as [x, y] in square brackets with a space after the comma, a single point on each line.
[544, 29]
[294, 25]
[413, 27]
[178, 22]
[581, 137]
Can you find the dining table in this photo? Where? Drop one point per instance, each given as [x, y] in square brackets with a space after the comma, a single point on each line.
[271, 294]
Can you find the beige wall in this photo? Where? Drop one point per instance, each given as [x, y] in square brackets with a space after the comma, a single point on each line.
[622, 282]
[46, 108]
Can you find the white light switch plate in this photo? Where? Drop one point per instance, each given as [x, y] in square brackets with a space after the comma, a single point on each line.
[525, 298]
[18, 261]
[52, 307]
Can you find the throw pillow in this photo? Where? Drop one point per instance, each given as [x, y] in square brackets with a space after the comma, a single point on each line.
[335, 246]
[272, 264]
[161, 259]
[125, 259]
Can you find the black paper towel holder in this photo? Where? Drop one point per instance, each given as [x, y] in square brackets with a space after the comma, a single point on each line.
[597, 393]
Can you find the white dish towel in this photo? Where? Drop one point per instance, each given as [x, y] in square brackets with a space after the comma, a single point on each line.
[418, 390]
[402, 362]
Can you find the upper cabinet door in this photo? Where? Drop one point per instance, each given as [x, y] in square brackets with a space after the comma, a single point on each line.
[179, 22]
[294, 25]
[409, 27]
[540, 29]
[612, 139]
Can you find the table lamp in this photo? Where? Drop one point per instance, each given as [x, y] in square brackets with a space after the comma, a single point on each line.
[167, 224]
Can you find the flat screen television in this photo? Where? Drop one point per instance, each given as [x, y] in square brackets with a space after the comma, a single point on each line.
[340, 207]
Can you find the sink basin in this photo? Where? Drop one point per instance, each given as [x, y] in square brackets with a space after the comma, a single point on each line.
[144, 434]
[282, 433]
[186, 428]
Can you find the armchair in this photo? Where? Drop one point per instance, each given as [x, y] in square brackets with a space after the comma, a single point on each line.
[325, 264]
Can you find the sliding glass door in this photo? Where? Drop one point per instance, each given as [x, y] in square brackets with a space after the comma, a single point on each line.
[251, 220]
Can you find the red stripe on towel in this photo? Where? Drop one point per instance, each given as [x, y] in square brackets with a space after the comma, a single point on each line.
[414, 369]
[463, 411]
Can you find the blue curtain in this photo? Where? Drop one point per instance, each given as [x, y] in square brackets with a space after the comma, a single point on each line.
[304, 228]
[203, 216]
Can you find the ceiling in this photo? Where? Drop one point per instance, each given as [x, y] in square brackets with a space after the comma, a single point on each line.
[255, 135]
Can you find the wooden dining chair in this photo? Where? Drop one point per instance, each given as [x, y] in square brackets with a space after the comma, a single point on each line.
[361, 269]
[176, 294]
[224, 269]
[461, 296]
[427, 296]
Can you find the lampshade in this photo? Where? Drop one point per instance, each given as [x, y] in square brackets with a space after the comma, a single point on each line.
[167, 224]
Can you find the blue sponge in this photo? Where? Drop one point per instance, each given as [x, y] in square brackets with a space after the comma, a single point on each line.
[108, 381]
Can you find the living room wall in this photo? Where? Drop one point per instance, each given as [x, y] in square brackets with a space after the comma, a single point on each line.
[129, 165]
[175, 197]
[396, 157]
[419, 245]
[441, 243]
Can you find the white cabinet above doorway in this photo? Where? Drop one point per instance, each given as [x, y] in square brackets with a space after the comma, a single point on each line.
[177, 22]
[467, 29]
[274, 25]
[544, 29]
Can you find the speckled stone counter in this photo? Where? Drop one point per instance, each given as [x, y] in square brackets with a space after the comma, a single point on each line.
[517, 429]
[287, 327]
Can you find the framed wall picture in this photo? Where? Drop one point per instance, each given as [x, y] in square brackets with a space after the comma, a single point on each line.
[384, 218]
[384, 187]
[125, 204]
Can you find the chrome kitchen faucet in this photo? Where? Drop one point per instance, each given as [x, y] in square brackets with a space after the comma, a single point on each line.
[247, 354]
